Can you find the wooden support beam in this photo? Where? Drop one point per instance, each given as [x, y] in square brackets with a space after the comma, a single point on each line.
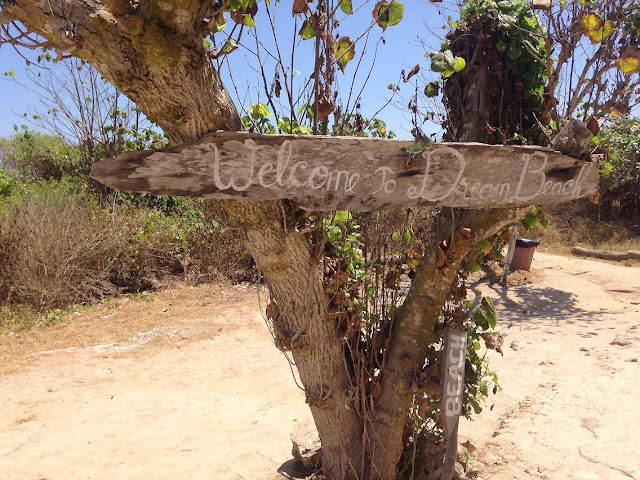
[352, 173]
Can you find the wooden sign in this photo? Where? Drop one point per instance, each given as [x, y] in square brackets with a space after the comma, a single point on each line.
[451, 395]
[352, 173]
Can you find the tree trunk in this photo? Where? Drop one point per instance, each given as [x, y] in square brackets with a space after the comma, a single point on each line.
[157, 58]
[414, 326]
[295, 280]
[472, 106]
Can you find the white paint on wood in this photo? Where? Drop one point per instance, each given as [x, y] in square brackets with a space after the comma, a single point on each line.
[453, 382]
[451, 395]
[328, 173]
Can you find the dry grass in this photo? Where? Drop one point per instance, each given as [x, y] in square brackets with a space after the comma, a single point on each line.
[59, 248]
[579, 223]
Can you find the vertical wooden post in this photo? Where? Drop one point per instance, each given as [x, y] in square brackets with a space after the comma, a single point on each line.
[455, 354]
[510, 252]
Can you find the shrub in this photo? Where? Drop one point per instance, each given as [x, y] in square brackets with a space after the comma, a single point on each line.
[8, 184]
[620, 167]
[39, 156]
[60, 247]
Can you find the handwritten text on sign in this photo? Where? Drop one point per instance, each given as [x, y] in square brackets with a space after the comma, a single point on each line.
[453, 381]
[282, 172]
[452, 385]
[324, 173]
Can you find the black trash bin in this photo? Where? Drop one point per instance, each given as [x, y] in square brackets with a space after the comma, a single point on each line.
[523, 254]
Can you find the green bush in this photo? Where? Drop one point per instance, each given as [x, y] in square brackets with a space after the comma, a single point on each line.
[620, 167]
[38, 156]
[8, 184]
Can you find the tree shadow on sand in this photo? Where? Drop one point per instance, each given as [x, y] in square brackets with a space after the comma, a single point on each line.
[525, 305]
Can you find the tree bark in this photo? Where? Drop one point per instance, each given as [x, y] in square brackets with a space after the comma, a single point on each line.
[157, 58]
[295, 280]
[473, 106]
[606, 254]
[155, 55]
[414, 325]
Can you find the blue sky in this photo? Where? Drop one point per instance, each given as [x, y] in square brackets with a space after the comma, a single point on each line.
[402, 50]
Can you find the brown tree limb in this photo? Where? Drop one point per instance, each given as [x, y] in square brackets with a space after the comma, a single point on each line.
[415, 321]
[166, 71]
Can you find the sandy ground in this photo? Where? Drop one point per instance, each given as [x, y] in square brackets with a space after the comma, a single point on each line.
[189, 386]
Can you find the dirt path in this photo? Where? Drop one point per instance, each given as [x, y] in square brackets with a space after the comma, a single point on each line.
[207, 398]
[189, 386]
[569, 407]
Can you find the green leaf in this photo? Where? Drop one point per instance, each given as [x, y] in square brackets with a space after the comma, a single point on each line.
[221, 22]
[459, 64]
[438, 63]
[473, 266]
[449, 59]
[514, 51]
[259, 110]
[346, 6]
[396, 12]
[306, 109]
[490, 311]
[248, 21]
[387, 14]
[505, 5]
[408, 236]
[432, 89]
[415, 147]
[479, 318]
[483, 245]
[448, 72]
[229, 46]
[395, 236]
[307, 31]
[528, 223]
[344, 50]
[591, 21]
[629, 63]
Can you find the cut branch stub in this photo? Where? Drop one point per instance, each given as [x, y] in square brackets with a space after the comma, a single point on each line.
[357, 174]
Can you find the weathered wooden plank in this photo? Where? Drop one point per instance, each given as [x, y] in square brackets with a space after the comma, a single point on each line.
[451, 394]
[358, 174]
[606, 254]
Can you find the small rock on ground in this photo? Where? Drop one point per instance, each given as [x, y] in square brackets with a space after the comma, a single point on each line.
[306, 444]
